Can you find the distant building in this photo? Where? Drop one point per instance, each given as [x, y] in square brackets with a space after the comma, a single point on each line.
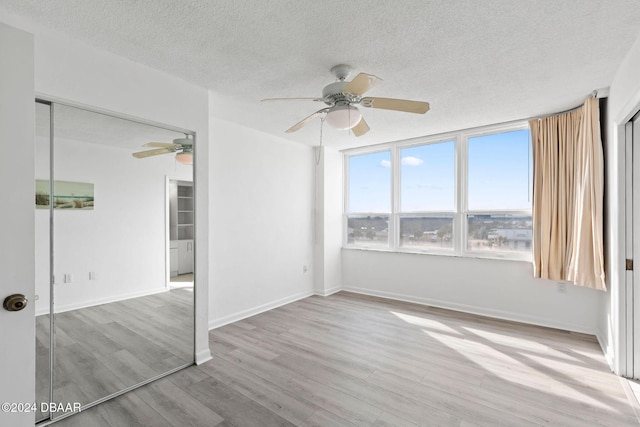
[512, 238]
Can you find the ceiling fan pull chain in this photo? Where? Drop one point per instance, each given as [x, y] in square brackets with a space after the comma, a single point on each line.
[320, 146]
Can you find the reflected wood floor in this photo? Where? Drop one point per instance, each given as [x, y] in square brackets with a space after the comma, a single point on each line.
[353, 360]
[102, 349]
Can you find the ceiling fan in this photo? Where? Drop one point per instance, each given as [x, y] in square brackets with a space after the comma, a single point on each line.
[342, 98]
[183, 147]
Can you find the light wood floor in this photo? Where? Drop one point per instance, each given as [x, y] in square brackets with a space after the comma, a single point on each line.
[102, 349]
[349, 360]
[182, 278]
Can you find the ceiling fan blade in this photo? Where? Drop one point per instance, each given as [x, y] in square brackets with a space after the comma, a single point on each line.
[161, 145]
[306, 120]
[361, 128]
[292, 99]
[361, 83]
[149, 153]
[405, 105]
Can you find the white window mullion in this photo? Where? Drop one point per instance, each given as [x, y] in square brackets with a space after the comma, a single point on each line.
[459, 227]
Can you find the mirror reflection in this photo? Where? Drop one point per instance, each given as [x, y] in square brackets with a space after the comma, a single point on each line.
[181, 233]
[43, 270]
[121, 314]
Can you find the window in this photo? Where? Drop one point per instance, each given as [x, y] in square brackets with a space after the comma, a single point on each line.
[426, 232]
[499, 233]
[427, 196]
[499, 193]
[500, 171]
[467, 193]
[369, 199]
[369, 231]
[427, 177]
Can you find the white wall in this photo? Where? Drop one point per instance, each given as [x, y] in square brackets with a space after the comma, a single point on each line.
[328, 221]
[122, 240]
[261, 221]
[68, 69]
[624, 101]
[497, 288]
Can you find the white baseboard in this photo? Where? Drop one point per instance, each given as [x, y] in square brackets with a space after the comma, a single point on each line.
[482, 311]
[90, 303]
[331, 291]
[203, 356]
[216, 323]
[606, 350]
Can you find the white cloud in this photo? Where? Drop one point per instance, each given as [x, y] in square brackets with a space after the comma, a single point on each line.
[385, 163]
[412, 161]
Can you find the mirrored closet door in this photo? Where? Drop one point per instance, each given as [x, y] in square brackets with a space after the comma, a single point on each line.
[111, 312]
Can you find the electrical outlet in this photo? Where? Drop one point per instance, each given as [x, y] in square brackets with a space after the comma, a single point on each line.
[92, 275]
[68, 278]
[562, 287]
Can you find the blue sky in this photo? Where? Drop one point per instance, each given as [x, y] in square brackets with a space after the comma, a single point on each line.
[370, 182]
[428, 177]
[498, 176]
[500, 171]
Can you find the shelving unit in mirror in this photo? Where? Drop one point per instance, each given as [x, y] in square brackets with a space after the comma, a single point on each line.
[181, 223]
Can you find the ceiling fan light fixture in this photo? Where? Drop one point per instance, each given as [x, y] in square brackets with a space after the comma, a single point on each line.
[343, 117]
[341, 97]
[185, 158]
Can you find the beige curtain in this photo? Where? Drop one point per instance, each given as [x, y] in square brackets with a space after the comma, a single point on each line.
[568, 185]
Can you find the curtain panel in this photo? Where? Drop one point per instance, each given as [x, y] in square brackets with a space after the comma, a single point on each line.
[568, 191]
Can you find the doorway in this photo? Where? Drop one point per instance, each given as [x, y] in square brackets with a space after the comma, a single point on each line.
[180, 233]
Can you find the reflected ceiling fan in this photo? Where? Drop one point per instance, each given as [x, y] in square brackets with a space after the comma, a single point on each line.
[183, 147]
[342, 98]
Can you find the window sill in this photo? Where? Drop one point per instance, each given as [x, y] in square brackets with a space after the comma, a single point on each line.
[470, 255]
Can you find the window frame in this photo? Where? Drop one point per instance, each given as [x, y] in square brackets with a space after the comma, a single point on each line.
[460, 211]
[346, 213]
[397, 189]
[465, 211]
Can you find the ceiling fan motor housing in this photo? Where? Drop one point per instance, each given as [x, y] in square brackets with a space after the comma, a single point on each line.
[183, 141]
[333, 94]
[333, 89]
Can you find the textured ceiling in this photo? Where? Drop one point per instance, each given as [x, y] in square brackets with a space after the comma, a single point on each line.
[476, 62]
[86, 126]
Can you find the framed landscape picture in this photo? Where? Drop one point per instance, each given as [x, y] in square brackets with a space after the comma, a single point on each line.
[66, 195]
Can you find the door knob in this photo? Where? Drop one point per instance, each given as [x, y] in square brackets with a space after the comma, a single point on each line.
[15, 302]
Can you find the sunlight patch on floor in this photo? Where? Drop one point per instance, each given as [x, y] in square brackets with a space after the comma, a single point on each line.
[425, 323]
[514, 371]
[182, 285]
[510, 341]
